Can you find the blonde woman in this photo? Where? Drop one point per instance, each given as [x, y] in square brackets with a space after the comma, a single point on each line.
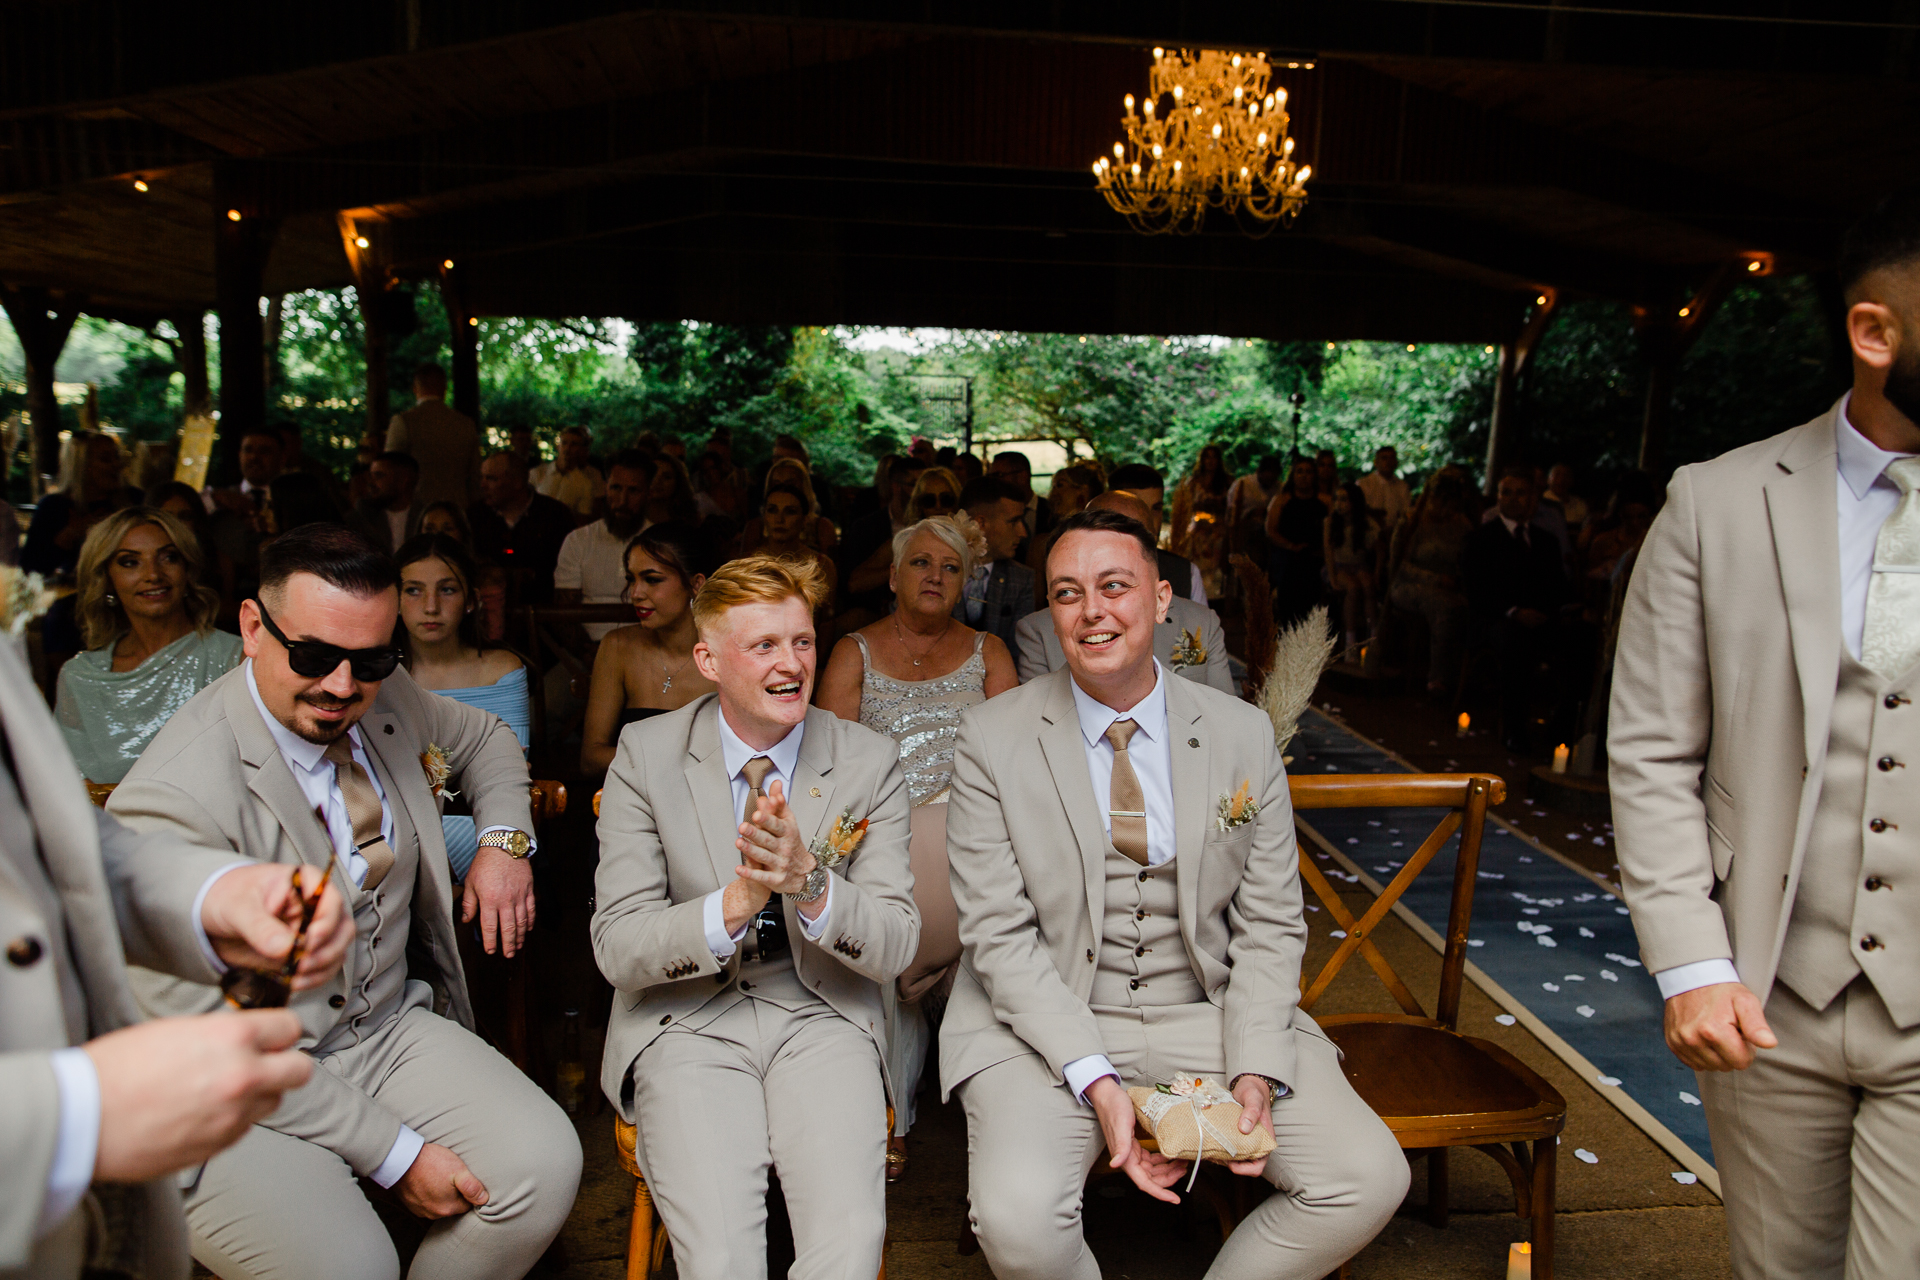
[935, 493]
[816, 531]
[146, 618]
[911, 676]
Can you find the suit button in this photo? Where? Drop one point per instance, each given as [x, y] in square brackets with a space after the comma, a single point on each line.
[1877, 825]
[1875, 882]
[1089, 955]
[1133, 983]
[24, 952]
[1887, 764]
[1893, 702]
[1871, 943]
[665, 1019]
[1141, 914]
[1143, 877]
[746, 986]
[337, 1002]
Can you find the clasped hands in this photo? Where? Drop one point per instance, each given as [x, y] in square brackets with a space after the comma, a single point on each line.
[776, 861]
[1152, 1172]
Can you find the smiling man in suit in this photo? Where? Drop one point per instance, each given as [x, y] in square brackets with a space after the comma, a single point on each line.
[747, 1030]
[314, 751]
[1116, 933]
[1763, 745]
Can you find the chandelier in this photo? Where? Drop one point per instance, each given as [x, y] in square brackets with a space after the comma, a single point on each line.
[1210, 134]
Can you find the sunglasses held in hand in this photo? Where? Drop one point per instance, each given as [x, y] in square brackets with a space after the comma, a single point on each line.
[314, 660]
[259, 989]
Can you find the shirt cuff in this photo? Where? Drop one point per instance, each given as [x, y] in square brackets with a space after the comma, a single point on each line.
[713, 921]
[1082, 1072]
[1701, 973]
[199, 929]
[78, 1142]
[406, 1149]
[533, 846]
[818, 925]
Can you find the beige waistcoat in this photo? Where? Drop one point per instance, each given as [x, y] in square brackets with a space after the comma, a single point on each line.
[1143, 959]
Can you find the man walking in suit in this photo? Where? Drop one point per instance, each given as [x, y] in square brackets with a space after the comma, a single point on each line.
[1763, 740]
[748, 1030]
[1118, 932]
[319, 749]
[1514, 581]
[443, 440]
[94, 1102]
[1001, 591]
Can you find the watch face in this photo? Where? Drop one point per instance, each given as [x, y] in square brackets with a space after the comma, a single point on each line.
[518, 843]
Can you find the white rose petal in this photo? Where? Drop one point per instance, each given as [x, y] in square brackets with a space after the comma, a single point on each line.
[1550, 986]
[1587, 933]
[1544, 940]
[1689, 1099]
[1585, 1010]
[1610, 975]
[1582, 1154]
[1505, 1019]
[1475, 942]
[1612, 1082]
[1686, 1179]
[1339, 933]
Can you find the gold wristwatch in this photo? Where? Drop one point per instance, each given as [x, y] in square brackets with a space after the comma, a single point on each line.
[515, 844]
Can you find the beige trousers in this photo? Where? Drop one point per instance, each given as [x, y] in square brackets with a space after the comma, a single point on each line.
[760, 1087]
[1339, 1172]
[279, 1208]
[1818, 1144]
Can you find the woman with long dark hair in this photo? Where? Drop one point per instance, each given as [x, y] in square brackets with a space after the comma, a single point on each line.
[1352, 535]
[1209, 480]
[1294, 527]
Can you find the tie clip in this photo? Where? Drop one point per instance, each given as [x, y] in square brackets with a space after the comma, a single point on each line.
[1122, 813]
[1895, 568]
[364, 843]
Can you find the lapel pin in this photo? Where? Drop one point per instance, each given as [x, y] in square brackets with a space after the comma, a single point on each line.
[1193, 742]
[815, 793]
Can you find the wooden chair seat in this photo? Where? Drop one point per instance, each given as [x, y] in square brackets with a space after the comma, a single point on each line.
[1437, 1087]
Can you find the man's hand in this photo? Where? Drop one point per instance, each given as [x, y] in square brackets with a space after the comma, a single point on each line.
[1254, 1096]
[438, 1184]
[175, 1091]
[1717, 1027]
[1152, 1172]
[252, 913]
[499, 890]
[770, 842]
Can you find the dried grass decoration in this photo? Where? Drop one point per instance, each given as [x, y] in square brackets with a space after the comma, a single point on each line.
[1303, 652]
[1195, 1118]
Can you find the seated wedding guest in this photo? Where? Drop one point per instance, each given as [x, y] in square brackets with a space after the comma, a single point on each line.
[446, 518]
[440, 631]
[910, 676]
[518, 529]
[1510, 569]
[1072, 489]
[1089, 964]
[319, 750]
[1294, 522]
[1387, 494]
[671, 496]
[783, 523]
[936, 492]
[146, 618]
[1350, 536]
[1016, 468]
[872, 536]
[391, 515]
[100, 1110]
[1188, 638]
[1248, 499]
[745, 1033]
[592, 568]
[792, 448]
[1147, 484]
[1425, 569]
[1208, 479]
[648, 668]
[261, 455]
[184, 503]
[1559, 493]
[91, 490]
[722, 491]
[571, 478]
[815, 529]
[1000, 591]
[297, 498]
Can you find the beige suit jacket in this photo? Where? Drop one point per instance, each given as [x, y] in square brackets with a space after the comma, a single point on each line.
[215, 775]
[1040, 651]
[112, 893]
[666, 842]
[446, 444]
[1028, 852]
[1723, 694]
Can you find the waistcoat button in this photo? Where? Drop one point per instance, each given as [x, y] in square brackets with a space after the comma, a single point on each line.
[1875, 882]
[337, 1002]
[1143, 877]
[22, 953]
[1887, 764]
[1871, 943]
[1089, 955]
[1142, 914]
[746, 986]
[1140, 951]
[1877, 825]
[1893, 701]
[1134, 983]
[666, 1019]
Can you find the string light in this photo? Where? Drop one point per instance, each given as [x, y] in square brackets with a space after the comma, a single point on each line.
[360, 242]
[1685, 312]
[447, 265]
[1754, 265]
[233, 215]
[1540, 301]
[474, 321]
[1410, 346]
[140, 184]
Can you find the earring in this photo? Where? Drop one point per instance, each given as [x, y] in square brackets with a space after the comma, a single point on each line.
[112, 598]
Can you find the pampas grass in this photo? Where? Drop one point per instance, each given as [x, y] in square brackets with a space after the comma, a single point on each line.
[1301, 654]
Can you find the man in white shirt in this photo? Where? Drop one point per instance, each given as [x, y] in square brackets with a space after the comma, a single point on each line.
[1114, 935]
[592, 567]
[570, 477]
[392, 514]
[1387, 494]
[748, 1029]
[1762, 744]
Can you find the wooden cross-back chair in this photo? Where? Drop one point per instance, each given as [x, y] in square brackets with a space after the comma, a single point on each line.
[1435, 1088]
[553, 633]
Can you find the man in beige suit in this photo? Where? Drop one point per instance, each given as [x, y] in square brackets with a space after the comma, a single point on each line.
[747, 1029]
[1763, 744]
[444, 441]
[313, 751]
[94, 1103]
[1118, 932]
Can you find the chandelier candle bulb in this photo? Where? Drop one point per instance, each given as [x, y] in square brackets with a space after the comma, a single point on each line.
[1560, 755]
[1461, 730]
[1520, 1261]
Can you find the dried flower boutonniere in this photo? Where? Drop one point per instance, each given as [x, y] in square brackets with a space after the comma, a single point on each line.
[23, 597]
[1189, 652]
[1238, 809]
[840, 841]
[434, 761]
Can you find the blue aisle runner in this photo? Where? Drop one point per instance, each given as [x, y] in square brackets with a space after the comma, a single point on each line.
[1553, 938]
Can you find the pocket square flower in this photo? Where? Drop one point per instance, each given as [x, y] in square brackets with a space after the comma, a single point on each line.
[840, 841]
[438, 770]
[23, 597]
[1189, 652]
[1238, 809]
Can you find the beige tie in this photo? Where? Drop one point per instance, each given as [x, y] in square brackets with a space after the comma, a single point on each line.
[1126, 805]
[755, 772]
[1890, 643]
[363, 810]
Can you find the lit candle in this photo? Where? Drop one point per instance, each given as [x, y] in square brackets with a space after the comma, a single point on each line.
[1463, 722]
[1520, 1261]
[1560, 754]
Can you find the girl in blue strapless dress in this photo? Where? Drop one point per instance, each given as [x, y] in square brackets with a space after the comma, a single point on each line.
[441, 634]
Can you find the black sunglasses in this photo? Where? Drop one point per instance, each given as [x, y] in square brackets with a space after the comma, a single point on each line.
[312, 659]
[943, 500]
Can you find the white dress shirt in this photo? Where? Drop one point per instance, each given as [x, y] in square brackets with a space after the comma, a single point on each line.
[1152, 760]
[593, 562]
[1865, 498]
[734, 754]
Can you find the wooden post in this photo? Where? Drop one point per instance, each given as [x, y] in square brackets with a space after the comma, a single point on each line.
[42, 326]
[1504, 429]
[366, 246]
[191, 355]
[240, 248]
[464, 336]
[1666, 339]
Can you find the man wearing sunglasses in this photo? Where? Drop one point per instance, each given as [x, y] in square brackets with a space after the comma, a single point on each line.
[315, 751]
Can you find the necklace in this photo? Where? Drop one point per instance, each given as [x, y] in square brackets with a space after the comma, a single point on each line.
[676, 671]
[901, 632]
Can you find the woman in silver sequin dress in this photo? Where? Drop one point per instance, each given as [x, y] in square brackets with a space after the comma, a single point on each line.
[911, 676]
